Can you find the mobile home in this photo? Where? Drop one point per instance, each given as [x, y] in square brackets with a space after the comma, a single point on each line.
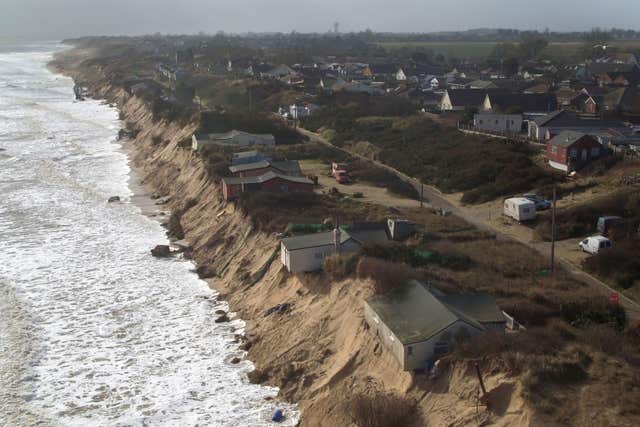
[520, 209]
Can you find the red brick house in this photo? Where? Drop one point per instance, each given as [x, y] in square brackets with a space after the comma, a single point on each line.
[232, 187]
[569, 151]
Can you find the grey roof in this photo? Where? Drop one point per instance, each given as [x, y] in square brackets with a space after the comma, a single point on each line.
[249, 166]
[467, 97]
[415, 314]
[245, 154]
[264, 178]
[479, 307]
[369, 236]
[566, 138]
[288, 167]
[563, 118]
[529, 102]
[313, 240]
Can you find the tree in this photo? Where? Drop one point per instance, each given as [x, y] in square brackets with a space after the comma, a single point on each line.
[532, 47]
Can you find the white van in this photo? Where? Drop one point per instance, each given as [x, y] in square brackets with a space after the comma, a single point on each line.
[520, 209]
[595, 244]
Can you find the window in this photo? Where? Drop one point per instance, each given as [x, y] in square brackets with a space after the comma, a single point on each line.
[481, 121]
[525, 210]
[554, 150]
[496, 122]
[573, 153]
[410, 351]
[595, 152]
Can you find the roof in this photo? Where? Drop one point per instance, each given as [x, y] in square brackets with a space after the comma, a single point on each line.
[521, 201]
[245, 154]
[264, 178]
[287, 167]
[464, 97]
[313, 240]
[384, 68]
[249, 166]
[562, 118]
[566, 138]
[415, 314]
[369, 236]
[481, 307]
[526, 101]
[482, 84]
[231, 135]
[599, 238]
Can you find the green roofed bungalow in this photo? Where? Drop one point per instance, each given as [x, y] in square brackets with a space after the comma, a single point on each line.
[418, 324]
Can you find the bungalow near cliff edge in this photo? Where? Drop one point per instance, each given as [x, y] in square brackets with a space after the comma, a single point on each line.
[419, 325]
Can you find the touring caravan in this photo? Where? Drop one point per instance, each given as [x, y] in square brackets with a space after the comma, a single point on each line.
[520, 209]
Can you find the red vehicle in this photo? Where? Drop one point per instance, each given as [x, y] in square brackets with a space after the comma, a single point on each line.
[341, 176]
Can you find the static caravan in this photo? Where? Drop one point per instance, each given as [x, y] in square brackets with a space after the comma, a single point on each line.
[520, 209]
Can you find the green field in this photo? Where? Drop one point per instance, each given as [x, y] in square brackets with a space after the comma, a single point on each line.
[479, 50]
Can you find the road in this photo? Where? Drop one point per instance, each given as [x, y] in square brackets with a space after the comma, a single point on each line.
[483, 220]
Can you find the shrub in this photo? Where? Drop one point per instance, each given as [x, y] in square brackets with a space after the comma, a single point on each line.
[621, 263]
[340, 266]
[386, 275]
[604, 338]
[384, 410]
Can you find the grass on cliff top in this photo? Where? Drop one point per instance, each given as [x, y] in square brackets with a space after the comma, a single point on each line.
[482, 168]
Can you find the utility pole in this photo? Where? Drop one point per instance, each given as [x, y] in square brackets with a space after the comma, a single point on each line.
[553, 231]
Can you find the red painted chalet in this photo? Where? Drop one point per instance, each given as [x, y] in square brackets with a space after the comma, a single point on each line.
[232, 187]
[569, 151]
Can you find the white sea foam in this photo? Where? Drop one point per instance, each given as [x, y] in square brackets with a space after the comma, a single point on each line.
[93, 330]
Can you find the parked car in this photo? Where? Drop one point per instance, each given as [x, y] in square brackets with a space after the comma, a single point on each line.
[541, 203]
[595, 244]
[607, 223]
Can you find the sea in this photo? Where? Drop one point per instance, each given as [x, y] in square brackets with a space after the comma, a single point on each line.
[94, 331]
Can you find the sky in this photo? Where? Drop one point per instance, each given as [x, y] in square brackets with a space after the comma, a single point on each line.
[57, 19]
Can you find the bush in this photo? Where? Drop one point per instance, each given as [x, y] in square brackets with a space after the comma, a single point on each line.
[340, 266]
[386, 275]
[620, 263]
[384, 410]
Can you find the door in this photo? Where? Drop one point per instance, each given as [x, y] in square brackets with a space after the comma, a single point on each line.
[585, 154]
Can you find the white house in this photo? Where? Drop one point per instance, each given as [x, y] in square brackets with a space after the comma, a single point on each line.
[307, 253]
[400, 75]
[418, 324]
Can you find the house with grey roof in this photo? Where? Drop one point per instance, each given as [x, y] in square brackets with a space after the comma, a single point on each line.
[418, 324]
[307, 253]
[284, 167]
[234, 138]
[547, 126]
[233, 187]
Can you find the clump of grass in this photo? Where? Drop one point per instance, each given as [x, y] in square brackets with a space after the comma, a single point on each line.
[386, 275]
[384, 410]
[340, 266]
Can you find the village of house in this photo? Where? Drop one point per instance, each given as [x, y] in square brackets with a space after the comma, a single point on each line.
[538, 166]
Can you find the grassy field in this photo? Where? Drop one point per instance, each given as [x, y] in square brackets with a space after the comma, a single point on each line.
[478, 50]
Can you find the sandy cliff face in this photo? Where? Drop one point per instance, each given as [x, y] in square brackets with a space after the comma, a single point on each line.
[320, 352]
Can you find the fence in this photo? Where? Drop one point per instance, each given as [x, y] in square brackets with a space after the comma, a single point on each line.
[510, 136]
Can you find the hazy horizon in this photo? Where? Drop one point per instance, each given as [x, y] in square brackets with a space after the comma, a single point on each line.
[59, 19]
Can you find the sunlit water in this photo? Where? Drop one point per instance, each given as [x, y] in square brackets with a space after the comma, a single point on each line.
[93, 330]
